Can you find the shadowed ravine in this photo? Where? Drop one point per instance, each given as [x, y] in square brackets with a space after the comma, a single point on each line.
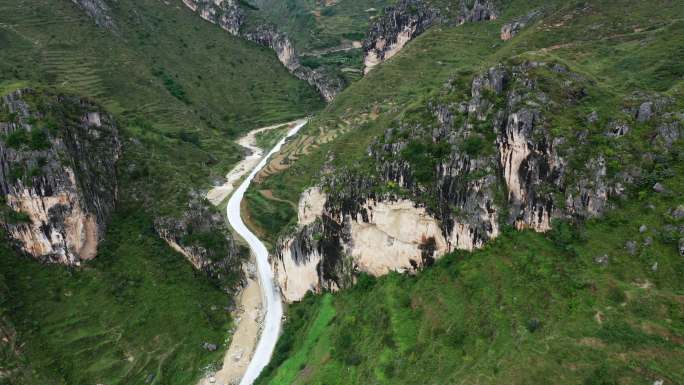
[271, 298]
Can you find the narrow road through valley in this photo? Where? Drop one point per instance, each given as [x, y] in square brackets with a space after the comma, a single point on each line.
[271, 297]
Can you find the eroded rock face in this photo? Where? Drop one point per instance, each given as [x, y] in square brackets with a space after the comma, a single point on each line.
[481, 10]
[225, 13]
[200, 234]
[229, 16]
[383, 236]
[509, 30]
[99, 11]
[58, 183]
[399, 24]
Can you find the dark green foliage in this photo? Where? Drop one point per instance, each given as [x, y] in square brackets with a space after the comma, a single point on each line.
[423, 157]
[312, 62]
[174, 88]
[16, 217]
[473, 145]
[328, 11]
[36, 140]
[620, 332]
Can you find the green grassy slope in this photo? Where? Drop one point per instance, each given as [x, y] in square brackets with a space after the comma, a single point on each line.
[181, 91]
[136, 313]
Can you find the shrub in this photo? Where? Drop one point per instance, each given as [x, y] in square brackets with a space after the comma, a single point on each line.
[473, 145]
[328, 11]
[423, 158]
[17, 139]
[17, 217]
[174, 88]
[533, 325]
[310, 61]
[620, 332]
[616, 295]
[39, 140]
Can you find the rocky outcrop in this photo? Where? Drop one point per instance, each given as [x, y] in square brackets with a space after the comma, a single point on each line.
[57, 174]
[268, 36]
[225, 13]
[390, 33]
[229, 16]
[200, 234]
[99, 11]
[509, 30]
[409, 18]
[480, 10]
[488, 160]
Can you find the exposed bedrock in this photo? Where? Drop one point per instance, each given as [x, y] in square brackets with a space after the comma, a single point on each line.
[57, 174]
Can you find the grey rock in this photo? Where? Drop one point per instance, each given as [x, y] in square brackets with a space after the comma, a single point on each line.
[671, 128]
[648, 241]
[678, 213]
[681, 247]
[659, 188]
[199, 217]
[645, 112]
[618, 129]
[643, 228]
[654, 267]
[209, 347]
[602, 260]
[593, 117]
[270, 37]
[509, 30]
[481, 10]
[229, 15]
[631, 247]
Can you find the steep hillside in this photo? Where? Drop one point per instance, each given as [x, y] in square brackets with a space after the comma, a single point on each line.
[330, 44]
[177, 91]
[548, 138]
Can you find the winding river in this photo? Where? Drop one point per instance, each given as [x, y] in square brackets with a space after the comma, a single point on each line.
[271, 297]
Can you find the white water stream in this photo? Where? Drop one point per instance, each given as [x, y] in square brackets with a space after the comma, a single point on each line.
[271, 297]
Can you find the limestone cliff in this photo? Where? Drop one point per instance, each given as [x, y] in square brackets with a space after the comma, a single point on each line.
[484, 161]
[57, 174]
